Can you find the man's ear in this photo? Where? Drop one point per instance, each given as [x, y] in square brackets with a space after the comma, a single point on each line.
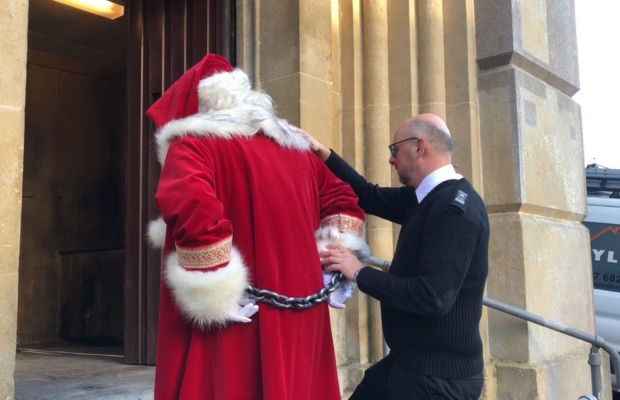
[420, 147]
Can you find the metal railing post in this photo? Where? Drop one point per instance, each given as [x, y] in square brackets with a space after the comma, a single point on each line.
[595, 368]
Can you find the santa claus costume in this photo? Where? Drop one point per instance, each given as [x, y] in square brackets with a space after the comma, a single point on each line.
[243, 201]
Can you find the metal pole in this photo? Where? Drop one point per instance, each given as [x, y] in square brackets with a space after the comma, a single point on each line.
[595, 368]
[378, 262]
[386, 348]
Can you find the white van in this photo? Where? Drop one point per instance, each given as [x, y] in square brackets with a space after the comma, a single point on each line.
[604, 223]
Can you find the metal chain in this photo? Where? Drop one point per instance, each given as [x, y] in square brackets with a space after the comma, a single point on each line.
[282, 301]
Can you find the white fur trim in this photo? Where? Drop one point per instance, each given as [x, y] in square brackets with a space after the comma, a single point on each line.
[331, 235]
[207, 298]
[157, 233]
[225, 90]
[228, 107]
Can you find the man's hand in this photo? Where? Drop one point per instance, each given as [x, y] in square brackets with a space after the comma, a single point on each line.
[317, 147]
[340, 259]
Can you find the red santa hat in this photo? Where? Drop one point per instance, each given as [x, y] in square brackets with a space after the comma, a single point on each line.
[213, 99]
[181, 99]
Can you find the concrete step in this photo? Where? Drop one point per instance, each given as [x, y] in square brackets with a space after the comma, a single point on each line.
[82, 374]
[55, 375]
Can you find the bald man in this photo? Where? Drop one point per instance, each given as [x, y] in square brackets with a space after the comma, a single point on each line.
[431, 298]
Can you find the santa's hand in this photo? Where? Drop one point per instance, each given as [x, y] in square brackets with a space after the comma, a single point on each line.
[343, 292]
[243, 313]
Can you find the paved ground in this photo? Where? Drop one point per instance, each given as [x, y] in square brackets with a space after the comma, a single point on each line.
[79, 374]
[83, 373]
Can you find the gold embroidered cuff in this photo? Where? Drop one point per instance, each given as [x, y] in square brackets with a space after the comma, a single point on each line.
[206, 257]
[344, 223]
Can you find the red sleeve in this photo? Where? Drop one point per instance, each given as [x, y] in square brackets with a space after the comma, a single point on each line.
[341, 219]
[188, 203]
[206, 274]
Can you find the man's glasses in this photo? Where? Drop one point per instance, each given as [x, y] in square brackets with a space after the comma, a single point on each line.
[394, 150]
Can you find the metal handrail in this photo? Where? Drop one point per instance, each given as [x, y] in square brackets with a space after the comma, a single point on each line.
[596, 341]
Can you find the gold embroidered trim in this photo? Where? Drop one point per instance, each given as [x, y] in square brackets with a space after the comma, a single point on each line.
[344, 223]
[206, 257]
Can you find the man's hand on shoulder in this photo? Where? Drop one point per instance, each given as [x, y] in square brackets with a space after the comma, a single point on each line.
[317, 147]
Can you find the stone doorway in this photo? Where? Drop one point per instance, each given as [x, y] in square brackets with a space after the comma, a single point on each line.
[71, 267]
[86, 276]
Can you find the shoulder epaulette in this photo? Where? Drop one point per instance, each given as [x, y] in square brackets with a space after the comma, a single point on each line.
[459, 199]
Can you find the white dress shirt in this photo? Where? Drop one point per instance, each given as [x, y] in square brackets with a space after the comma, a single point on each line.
[433, 179]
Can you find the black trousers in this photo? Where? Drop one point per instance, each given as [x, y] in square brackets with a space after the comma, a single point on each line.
[387, 380]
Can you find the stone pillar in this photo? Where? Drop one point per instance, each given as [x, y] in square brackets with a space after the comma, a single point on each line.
[377, 118]
[461, 96]
[352, 83]
[351, 79]
[403, 71]
[533, 177]
[247, 23]
[432, 59]
[13, 48]
[295, 63]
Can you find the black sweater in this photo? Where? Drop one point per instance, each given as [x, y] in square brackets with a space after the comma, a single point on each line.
[431, 299]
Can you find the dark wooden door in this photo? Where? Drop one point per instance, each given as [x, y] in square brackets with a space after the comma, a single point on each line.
[72, 228]
[166, 37]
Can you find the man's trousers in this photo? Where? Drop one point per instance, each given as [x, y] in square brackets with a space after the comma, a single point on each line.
[387, 380]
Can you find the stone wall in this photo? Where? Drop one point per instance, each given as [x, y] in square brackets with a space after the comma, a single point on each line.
[534, 186]
[13, 43]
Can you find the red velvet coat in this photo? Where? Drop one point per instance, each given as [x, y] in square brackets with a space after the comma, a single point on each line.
[244, 201]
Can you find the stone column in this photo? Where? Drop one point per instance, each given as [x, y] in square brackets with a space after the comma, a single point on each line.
[352, 83]
[377, 117]
[403, 62]
[403, 71]
[13, 49]
[295, 62]
[533, 177]
[351, 79]
[432, 60]
[247, 23]
[461, 97]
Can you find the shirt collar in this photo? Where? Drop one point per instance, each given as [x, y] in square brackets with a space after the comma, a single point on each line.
[433, 179]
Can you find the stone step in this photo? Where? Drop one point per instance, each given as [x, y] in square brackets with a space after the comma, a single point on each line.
[54, 375]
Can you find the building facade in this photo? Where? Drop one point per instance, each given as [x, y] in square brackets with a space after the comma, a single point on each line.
[501, 73]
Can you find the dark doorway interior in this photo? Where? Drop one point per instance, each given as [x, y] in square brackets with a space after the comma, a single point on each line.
[72, 254]
[87, 276]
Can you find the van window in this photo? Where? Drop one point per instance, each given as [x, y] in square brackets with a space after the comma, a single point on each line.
[605, 243]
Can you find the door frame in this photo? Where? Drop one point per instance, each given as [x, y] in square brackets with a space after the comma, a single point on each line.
[166, 37]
